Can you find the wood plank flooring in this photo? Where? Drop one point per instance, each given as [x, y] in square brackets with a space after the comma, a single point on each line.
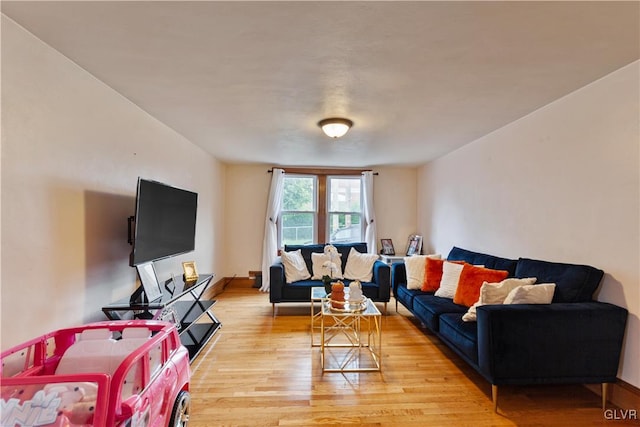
[261, 371]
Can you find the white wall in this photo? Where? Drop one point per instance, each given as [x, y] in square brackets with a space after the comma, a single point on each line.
[246, 195]
[562, 184]
[72, 150]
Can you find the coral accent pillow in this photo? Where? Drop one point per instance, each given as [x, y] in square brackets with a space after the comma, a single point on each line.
[415, 266]
[433, 273]
[294, 266]
[471, 279]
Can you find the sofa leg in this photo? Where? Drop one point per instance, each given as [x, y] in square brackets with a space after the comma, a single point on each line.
[605, 395]
[273, 309]
[385, 308]
[494, 397]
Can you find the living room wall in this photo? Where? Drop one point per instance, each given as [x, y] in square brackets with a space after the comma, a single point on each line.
[561, 184]
[72, 150]
[245, 203]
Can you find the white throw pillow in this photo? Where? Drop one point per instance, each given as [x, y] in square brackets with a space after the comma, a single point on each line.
[320, 265]
[450, 278]
[359, 266]
[415, 267]
[294, 267]
[495, 293]
[532, 294]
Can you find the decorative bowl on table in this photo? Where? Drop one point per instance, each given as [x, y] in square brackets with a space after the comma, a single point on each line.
[348, 305]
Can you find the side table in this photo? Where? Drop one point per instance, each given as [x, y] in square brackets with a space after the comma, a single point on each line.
[391, 259]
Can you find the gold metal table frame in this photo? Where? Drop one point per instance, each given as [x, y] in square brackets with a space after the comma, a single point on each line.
[350, 341]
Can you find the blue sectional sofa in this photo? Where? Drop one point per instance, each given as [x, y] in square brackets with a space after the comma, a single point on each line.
[378, 289]
[573, 340]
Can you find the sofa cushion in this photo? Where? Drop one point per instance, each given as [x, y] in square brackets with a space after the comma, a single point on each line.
[359, 266]
[322, 266]
[488, 261]
[471, 279]
[531, 294]
[495, 293]
[450, 278]
[294, 266]
[574, 283]
[406, 296]
[345, 248]
[415, 266]
[306, 251]
[461, 335]
[428, 309]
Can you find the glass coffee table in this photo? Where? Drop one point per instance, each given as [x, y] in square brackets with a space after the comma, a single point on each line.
[317, 294]
[350, 340]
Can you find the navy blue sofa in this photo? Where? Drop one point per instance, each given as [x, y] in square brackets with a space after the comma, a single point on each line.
[573, 340]
[378, 289]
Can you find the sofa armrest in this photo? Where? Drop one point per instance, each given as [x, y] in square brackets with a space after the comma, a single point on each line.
[550, 343]
[276, 282]
[398, 275]
[382, 278]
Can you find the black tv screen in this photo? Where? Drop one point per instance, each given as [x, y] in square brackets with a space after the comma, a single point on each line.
[165, 222]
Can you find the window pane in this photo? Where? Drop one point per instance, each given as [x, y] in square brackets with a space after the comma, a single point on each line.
[298, 194]
[345, 228]
[344, 195]
[297, 228]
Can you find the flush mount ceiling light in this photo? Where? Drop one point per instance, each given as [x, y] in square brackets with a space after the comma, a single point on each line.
[335, 127]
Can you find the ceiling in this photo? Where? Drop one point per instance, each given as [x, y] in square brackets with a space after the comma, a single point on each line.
[248, 81]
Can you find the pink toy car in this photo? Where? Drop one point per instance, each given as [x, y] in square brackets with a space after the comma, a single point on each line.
[125, 373]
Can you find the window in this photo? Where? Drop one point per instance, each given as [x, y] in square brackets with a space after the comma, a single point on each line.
[298, 219]
[318, 208]
[344, 209]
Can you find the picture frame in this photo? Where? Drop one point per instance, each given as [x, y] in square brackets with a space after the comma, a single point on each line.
[149, 281]
[414, 245]
[190, 272]
[387, 247]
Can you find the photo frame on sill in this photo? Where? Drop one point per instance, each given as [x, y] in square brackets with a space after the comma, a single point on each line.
[387, 247]
[414, 245]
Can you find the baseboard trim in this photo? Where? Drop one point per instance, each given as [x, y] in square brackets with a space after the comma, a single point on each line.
[221, 284]
[621, 394]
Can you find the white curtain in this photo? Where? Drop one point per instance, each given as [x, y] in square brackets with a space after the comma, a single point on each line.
[270, 243]
[369, 214]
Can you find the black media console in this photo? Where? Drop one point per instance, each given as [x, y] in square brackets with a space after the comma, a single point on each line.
[182, 304]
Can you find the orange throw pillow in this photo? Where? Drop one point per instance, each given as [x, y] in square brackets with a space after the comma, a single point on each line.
[433, 274]
[471, 279]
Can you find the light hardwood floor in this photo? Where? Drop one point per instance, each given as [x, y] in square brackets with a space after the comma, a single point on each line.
[261, 371]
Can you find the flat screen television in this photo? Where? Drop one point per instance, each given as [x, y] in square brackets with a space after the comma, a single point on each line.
[165, 222]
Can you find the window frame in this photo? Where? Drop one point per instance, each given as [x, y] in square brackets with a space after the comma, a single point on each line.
[315, 202]
[321, 230]
[329, 213]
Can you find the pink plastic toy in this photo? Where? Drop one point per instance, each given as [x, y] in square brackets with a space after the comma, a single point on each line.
[126, 373]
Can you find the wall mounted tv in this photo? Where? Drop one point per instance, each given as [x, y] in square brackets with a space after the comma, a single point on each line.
[165, 222]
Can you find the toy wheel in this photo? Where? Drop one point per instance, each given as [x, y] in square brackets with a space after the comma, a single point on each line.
[180, 412]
